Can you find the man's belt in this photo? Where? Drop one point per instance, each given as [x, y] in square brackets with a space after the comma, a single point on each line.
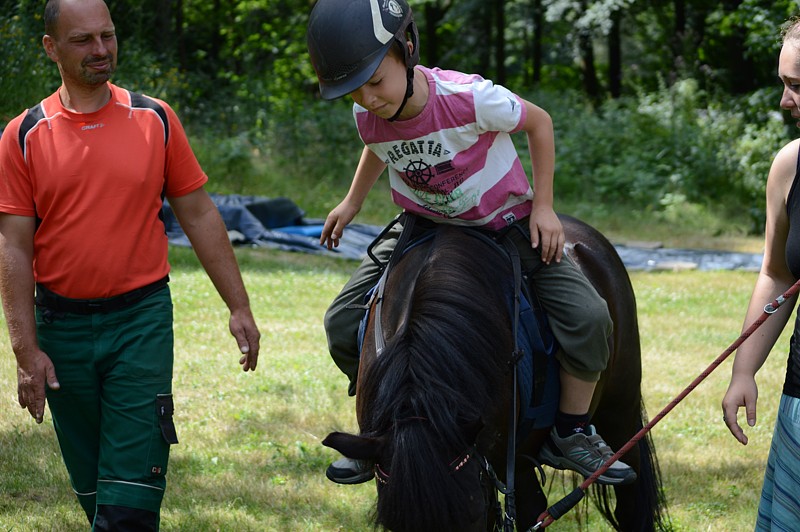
[49, 300]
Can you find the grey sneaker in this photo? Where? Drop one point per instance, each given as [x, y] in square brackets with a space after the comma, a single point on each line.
[585, 453]
[348, 471]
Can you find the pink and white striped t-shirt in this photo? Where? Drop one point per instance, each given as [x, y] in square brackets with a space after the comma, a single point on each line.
[455, 162]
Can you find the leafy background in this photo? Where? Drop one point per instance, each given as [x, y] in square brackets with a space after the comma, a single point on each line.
[661, 108]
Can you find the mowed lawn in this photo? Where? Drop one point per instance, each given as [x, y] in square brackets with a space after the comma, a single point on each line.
[250, 457]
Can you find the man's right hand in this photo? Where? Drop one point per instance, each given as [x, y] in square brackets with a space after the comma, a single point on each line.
[33, 373]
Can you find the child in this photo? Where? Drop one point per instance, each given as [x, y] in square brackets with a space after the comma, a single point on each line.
[444, 137]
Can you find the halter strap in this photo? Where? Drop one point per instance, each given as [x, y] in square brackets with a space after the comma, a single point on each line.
[455, 465]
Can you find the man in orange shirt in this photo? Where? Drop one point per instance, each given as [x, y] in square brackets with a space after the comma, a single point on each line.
[83, 175]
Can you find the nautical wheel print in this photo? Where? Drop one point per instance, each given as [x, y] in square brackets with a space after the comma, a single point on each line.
[419, 173]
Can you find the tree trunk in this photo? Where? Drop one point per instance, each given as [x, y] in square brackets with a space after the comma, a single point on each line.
[484, 48]
[183, 62]
[590, 82]
[500, 41]
[216, 39]
[586, 53]
[538, 30]
[433, 14]
[164, 34]
[741, 67]
[615, 56]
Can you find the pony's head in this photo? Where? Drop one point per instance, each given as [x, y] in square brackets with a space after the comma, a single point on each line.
[441, 378]
[421, 484]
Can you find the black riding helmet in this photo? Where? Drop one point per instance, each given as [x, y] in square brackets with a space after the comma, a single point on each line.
[348, 39]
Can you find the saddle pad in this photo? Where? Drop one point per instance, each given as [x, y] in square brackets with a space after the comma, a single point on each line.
[537, 370]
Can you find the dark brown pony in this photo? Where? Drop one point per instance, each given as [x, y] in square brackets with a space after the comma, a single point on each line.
[433, 407]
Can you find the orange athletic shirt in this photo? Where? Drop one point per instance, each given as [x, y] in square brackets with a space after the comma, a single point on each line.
[96, 183]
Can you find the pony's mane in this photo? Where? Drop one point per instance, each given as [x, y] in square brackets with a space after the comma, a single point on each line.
[444, 366]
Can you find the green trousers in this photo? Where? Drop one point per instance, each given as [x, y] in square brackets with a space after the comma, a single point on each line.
[113, 411]
[577, 314]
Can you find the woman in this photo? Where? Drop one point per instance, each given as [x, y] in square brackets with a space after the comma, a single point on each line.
[780, 495]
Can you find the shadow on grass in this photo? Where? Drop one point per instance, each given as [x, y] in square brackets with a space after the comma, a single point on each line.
[275, 487]
[251, 481]
[711, 491]
[261, 260]
[35, 493]
[255, 491]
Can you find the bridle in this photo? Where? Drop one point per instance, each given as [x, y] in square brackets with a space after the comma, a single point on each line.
[455, 465]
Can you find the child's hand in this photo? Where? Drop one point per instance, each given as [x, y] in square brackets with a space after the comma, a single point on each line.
[335, 223]
[546, 229]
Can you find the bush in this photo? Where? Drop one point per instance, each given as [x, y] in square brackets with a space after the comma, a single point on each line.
[660, 150]
[24, 59]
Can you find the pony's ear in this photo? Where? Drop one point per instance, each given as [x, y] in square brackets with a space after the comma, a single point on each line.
[352, 446]
[470, 429]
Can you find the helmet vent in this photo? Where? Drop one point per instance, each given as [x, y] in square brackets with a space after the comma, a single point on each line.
[342, 71]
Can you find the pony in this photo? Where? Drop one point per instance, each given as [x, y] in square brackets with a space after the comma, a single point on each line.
[433, 402]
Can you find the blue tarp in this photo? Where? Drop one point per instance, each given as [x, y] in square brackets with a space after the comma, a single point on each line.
[278, 223]
[654, 259]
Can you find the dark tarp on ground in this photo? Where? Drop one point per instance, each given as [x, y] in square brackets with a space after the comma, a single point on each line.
[278, 223]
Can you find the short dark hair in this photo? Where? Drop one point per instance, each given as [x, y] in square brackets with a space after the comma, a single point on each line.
[791, 29]
[51, 11]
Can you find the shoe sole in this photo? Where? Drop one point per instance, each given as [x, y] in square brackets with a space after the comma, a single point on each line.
[359, 478]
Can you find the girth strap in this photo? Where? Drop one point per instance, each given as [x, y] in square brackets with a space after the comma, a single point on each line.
[397, 253]
[511, 510]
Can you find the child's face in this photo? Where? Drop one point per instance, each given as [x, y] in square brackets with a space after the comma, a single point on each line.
[385, 90]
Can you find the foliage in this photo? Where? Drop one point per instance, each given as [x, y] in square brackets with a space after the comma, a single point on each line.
[26, 75]
[667, 148]
[693, 129]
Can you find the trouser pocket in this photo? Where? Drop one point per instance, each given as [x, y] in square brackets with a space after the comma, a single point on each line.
[164, 435]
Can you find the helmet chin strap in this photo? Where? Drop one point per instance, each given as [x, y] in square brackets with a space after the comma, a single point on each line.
[409, 93]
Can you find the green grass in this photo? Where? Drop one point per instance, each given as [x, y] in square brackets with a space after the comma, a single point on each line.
[250, 457]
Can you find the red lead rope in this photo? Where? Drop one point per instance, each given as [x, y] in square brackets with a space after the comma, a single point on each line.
[566, 503]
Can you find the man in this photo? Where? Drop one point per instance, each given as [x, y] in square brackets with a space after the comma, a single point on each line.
[83, 175]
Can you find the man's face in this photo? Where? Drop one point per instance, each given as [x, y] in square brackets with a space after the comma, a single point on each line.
[85, 44]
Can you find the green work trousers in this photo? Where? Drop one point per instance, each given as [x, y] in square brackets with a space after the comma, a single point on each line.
[113, 411]
[576, 313]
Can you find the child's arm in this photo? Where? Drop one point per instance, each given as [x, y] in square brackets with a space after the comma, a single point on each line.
[369, 169]
[545, 226]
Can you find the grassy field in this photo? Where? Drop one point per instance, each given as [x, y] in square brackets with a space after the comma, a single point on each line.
[250, 457]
